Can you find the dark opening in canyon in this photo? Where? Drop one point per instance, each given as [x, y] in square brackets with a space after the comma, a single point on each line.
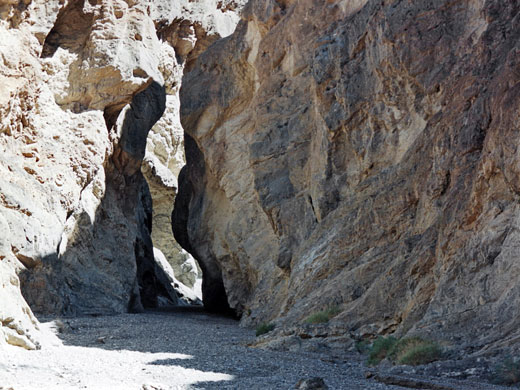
[213, 292]
[88, 274]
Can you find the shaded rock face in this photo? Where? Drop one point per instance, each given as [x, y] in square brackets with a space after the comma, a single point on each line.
[189, 29]
[82, 85]
[361, 154]
[186, 216]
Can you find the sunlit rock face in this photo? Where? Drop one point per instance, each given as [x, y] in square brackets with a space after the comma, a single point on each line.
[82, 84]
[361, 154]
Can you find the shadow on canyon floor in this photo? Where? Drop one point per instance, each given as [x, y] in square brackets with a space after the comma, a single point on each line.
[185, 347]
[209, 347]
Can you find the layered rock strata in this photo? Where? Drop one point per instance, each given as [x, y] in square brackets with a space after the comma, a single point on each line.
[360, 155]
[82, 84]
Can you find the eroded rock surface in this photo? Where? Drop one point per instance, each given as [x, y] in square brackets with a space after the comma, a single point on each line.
[72, 192]
[361, 154]
[189, 27]
[82, 83]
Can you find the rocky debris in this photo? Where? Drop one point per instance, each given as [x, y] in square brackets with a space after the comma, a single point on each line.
[195, 350]
[83, 83]
[359, 154]
[411, 383]
[322, 338]
[311, 384]
[470, 369]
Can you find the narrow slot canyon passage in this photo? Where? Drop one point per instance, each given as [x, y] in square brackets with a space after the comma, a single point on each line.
[259, 194]
[173, 341]
[170, 340]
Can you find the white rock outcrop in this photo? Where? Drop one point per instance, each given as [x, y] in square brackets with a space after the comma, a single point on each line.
[81, 85]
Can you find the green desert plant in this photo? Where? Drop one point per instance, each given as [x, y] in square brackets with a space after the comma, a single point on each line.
[323, 316]
[413, 351]
[264, 328]
[508, 372]
[410, 351]
[381, 349]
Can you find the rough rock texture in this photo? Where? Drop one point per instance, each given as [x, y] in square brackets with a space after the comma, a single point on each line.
[82, 83]
[195, 25]
[361, 154]
[163, 161]
[17, 324]
[186, 204]
[72, 195]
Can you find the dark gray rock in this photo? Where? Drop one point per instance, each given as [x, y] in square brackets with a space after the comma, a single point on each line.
[188, 204]
[311, 384]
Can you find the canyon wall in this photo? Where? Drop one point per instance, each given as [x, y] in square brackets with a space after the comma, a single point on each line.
[361, 155]
[82, 84]
[354, 154]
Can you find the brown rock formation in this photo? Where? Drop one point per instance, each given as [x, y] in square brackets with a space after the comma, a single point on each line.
[361, 154]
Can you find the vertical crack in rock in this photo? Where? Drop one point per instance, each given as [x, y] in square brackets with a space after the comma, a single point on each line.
[138, 118]
[186, 35]
[188, 209]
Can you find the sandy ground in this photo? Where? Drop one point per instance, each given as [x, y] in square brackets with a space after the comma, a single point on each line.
[181, 349]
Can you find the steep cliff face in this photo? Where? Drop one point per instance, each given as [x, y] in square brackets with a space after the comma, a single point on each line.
[82, 83]
[193, 27]
[361, 154]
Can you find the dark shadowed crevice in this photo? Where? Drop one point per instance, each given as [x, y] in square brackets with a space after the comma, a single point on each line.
[186, 213]
[87, 276]
[145, 110]
[111, 113]
[143, 249]
[71, 29]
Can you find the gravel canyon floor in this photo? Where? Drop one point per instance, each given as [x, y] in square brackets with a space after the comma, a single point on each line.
[178, 349]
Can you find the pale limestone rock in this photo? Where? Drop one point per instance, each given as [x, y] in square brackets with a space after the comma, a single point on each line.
[116, 46]
[18, 326]
[74, 207]
[188, 295]
[48, 155]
